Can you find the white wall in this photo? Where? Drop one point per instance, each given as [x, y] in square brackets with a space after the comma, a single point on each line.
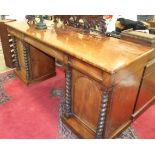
[18, 17]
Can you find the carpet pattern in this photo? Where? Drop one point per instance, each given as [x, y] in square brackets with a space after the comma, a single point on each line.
[4, 78]
[3, 67]
[129, 133]
[30, 112]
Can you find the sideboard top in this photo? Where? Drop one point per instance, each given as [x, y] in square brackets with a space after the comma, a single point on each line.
[106, 53]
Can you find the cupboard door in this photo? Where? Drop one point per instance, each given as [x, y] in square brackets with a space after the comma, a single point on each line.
[86, 99]
[34, 64]
[41, 64]
[147, 89]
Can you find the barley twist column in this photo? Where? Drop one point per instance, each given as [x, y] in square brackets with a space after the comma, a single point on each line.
[27, 61]
[68, 106]
[14, 51]
[102, 114]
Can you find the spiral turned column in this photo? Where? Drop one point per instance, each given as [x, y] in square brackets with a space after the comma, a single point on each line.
[68, 106]
[27, 61]
[14, 53]
[102, 114]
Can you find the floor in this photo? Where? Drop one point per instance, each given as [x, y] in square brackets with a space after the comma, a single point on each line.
[2, 62]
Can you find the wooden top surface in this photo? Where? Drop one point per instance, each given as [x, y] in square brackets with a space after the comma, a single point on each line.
[132, 33]
[106, 53]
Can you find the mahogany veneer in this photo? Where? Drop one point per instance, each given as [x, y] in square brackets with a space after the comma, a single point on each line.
[34, 65]
[103, 76]
[146, 94]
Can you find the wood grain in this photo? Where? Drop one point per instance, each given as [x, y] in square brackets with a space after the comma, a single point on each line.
[147, 88]
[108, 54]
[86, 97]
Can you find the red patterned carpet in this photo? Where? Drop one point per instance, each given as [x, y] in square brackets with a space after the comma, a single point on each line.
[145, 124]
[32, 112]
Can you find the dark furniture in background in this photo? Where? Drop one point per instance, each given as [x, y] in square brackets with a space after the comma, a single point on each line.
[145, 17]
[6, 40]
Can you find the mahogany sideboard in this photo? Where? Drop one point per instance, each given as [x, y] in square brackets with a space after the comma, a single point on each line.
[105, 77]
